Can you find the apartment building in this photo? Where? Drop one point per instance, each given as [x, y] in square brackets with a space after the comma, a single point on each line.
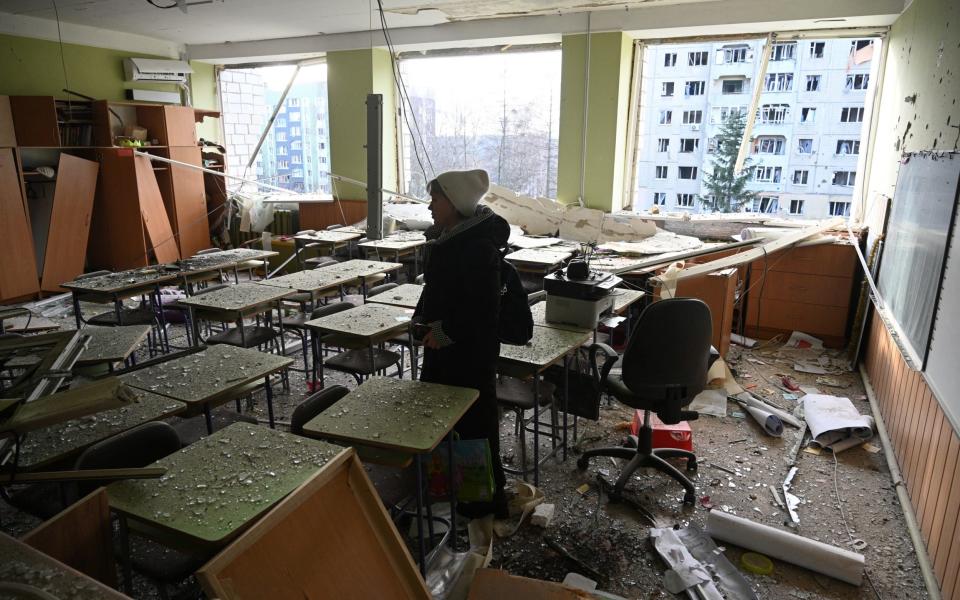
[807, 134]
[296, 154]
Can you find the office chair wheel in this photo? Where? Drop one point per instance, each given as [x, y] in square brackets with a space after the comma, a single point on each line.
[689, 499]
[583, 462]
[692, 465]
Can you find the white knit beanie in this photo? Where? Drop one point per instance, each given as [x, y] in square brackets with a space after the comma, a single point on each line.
[465, 189]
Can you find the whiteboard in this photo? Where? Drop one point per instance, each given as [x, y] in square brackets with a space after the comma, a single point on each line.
[915, 248]
[943, 364]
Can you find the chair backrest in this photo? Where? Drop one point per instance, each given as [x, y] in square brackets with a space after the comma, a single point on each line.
[669, 352]
[330, 309]
[379, 289]
[314, 405]
[134, 448]
[325, 262]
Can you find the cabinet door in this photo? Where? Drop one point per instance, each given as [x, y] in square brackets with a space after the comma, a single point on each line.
[35, 120]
[69, 221]
[18, 276]
[159, 232]
[181, 126]
[190, 202]
[8, 137]
[117, 237]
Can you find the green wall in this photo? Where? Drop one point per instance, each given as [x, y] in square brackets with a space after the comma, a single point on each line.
[611, 56]
[351, 75]
[32, 67]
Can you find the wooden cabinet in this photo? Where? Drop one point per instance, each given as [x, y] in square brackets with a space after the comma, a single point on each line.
[166, 125]
[806, 289]
[18, 276]
[42, 121]
[718, 292]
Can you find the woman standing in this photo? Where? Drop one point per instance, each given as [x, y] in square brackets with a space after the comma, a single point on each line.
[460, 307]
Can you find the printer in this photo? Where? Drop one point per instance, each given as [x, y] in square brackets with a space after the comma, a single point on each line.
[578, 295]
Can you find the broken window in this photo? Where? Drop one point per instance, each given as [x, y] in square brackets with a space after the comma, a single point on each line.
[666, 117]
[805, 146]
[732, 54]
[844, 178]
[670, 59]
[691, 117]
[783, 51]
[661, 172]
[663, 144]
[766, 204]
[800, 176]
[693, 88]
[688, 172]
[689, 144]
[779, 82]
[808, 114]
[767, 174]
[732, 86]
[839, 209]
[851, 114]
[848, 146]
[813, 83]
[774, 113]
[816, 49]
[860, 44]
[666, 89]
[685, 200]
[796, 207]
[858, 82]
[696, 59]
[659, 198]
[770, 145]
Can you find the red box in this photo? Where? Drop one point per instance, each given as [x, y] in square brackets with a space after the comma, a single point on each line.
[665, 436]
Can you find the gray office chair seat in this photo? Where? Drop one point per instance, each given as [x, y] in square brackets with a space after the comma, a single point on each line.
[518, 394]
[253, 336]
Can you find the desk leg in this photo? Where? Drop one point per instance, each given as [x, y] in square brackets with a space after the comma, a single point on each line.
[125, 555]
[162, 319]
[269, 389]
[536, 430]
[566, 402]
[195, 327]
[452, 490]
[208, 417]
[76, 309]
[421, 543]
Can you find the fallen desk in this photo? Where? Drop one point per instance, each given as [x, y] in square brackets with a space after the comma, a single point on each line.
[111, 344]
[44, 575]
[399, 415]
[209, 378]
[548, 346]
[62, 441]
[216, 487]
[406, 295]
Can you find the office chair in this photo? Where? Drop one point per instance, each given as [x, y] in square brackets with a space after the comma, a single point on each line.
[664, 367]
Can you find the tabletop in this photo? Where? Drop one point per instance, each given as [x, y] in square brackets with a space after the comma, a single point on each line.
[396, 414]
[405, 295]
[223, 259]
[202, 377]
[25, 565]
[240, 297]
[623, 298]
[111, 344]
[539, 311]
[114, 283]
[314, 280]
[217, 486]
[360, 268]
[366, 320]
[332, 236]
[405, 240]
[539, 256]
[62, 440]
[548, 345]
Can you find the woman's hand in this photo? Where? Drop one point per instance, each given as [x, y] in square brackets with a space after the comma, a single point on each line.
[429, 341]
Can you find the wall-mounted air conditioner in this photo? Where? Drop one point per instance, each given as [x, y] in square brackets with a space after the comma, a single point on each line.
[149, 69]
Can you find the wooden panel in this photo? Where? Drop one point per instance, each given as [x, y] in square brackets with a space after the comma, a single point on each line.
[928, 451]
[320, 215]
[181, 126]
[80, 537]
[717, 291]
[330, 538]
[102, 121]
[808, 289]
[193, 229]
[35, 120]
[69, 222]
[18, 276]
[152, 119]
[159, 232]
[789, 316]
[838, 260]
[117, 238]
[8, 136]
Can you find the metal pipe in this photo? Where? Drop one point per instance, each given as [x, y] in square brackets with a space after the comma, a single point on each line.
[926, 570]
[586, 107]
[273, 116]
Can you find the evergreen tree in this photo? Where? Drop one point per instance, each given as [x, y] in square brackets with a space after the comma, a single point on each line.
[728, 190]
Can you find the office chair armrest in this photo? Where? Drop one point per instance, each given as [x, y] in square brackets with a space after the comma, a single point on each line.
[611, 359]
[714, 355]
